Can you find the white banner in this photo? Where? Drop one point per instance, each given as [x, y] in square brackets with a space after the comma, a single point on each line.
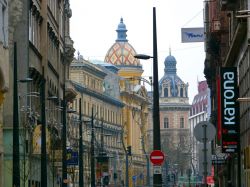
[192, 35]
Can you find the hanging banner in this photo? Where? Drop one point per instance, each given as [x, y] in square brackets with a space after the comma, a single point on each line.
[229, 110]
[36, 147]
[189, 35]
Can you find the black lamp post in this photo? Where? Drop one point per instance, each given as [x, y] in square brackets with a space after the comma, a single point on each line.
[16, 154]
[43, 135]
[92, 150]
[80, 145]
[157, 178]
[64, 137]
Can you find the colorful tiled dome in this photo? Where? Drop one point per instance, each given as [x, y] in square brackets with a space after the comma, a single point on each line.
[121, 53]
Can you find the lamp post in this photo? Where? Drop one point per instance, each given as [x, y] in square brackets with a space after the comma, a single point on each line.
[64, 137]
[92, 150]
[43, 135]
[81, 181]
[157, 178]
[16, 154]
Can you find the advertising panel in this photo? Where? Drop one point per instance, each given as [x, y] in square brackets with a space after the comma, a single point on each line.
[229, 110]
[189, 35]
[72, 157]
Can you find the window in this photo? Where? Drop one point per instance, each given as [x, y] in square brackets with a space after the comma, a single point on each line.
[34, 27]
[166, 123]
[181, 92]
[181, 122]
[3, 23]
[165, 92]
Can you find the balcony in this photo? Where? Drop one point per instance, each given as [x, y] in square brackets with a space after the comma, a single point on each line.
[70, 92]
[69, 49]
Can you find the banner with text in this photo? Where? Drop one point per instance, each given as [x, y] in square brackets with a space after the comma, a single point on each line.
[189, 35]
[229, 110]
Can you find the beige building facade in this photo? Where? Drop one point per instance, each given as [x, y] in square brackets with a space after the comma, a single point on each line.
[174, 124]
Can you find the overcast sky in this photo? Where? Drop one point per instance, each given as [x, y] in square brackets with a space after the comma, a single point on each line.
[93, 25]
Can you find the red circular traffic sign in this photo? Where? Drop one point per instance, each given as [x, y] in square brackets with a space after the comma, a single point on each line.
[157, 157]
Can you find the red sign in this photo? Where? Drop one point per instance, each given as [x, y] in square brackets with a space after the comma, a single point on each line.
[157, 157]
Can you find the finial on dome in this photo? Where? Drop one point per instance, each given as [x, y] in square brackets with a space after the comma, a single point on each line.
[169, 51]
[121, 32]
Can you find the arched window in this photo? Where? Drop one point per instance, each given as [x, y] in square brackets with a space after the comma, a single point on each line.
[165, 92]
[181, 92]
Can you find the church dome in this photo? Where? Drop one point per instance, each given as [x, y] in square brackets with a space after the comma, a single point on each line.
[171, 84]
[121, 53]
[170, 65]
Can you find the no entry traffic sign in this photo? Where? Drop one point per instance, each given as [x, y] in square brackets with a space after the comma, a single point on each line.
[157, 157]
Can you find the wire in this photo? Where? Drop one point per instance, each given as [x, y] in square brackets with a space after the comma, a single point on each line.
[181, 49]
[192, 18]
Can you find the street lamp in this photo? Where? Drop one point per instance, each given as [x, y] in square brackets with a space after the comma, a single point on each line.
[157, 178]
[43, 133]
[81, 181]
[243, 99]
[16, 153]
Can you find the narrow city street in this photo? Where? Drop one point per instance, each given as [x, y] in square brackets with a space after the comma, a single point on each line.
[135, 93]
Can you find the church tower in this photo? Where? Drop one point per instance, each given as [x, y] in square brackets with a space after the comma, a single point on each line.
[174, 113]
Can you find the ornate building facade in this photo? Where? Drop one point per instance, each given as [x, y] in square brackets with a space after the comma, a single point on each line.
[227, 46]
[93, 87]
[39, 40]
[174, 113]
[134, 96]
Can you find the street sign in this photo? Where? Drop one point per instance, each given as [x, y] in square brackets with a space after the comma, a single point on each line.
[202, 128]
[72, 157]
[157, 157]
[219, 159]
[134, 178]
[157, 169]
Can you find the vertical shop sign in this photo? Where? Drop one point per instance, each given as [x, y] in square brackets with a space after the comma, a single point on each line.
[229, 110]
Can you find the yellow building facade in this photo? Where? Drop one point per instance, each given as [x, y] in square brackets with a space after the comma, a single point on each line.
[92, 83]
[134, 95]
